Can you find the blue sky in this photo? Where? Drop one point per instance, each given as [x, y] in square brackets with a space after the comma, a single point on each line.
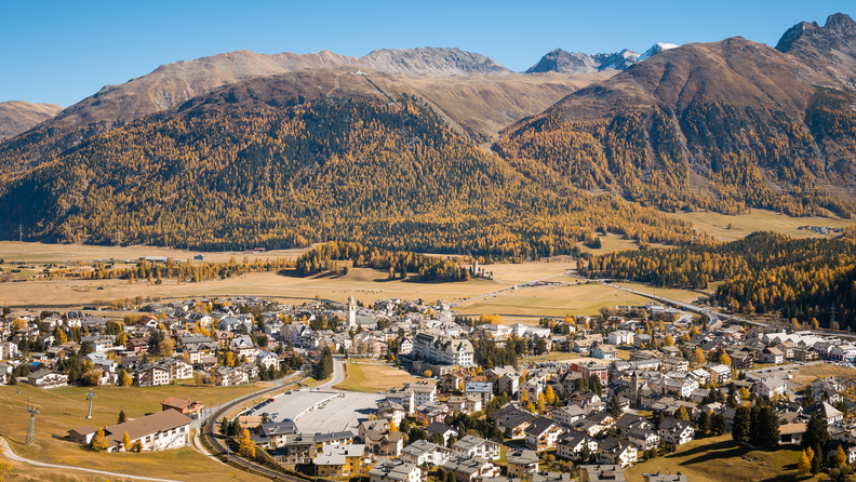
[61, 52]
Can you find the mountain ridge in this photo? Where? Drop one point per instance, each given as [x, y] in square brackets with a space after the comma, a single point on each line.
[17, 116]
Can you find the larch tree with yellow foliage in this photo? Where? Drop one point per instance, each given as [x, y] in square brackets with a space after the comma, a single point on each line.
[542, 401]
[126, 442]
[669, 341]
[246, 447]
[698, 356]
[804, 464]
[725, 359]
[550, 396]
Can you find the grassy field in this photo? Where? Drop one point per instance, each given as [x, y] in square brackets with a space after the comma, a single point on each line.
[807, 374]
[578, 299]
[373, 377]
[720, 458]
[65, 409]
[758, 220]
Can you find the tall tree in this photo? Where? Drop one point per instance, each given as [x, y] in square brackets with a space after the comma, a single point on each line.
[741, 426]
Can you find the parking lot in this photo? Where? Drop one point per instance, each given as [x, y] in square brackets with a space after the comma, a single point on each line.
[294, 403]
[340, 413]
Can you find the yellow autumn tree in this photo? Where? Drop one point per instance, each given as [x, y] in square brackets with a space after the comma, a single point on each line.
[669, 341]
[725, 359]
[698, 356]
[246, 447]
[804, 464]
[126, 442]
[550, 396]
[99, 442]
[542, 401]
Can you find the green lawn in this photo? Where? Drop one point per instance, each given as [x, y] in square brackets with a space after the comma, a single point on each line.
[716, 459]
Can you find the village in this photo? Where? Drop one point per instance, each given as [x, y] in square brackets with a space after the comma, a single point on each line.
[580, 397]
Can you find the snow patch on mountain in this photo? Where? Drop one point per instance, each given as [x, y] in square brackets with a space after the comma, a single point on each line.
[656, 49]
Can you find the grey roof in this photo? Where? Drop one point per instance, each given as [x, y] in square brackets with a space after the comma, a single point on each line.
[465, 464]
[421, 447]
[522, 457]
[599, 473]
[468, 443]
[437, 427]
[392, 469]
[326, 437]
[539, 426]
[658, 477]
[279, 428]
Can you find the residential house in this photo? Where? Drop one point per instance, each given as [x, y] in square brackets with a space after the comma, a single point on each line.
[471, 468]
[644, 439]
[481, 390]
[380, 440]
[543, 434]
[676, 431]
[770, 387]
[719, 374]
[473, 446]
[772, 355]
[396, 471]
[601, 473]
[515, 428]
[522, 463]
[443, 430]
[340, 460]
[573, 444]
[621, 337]
[423, 452]
[604, 352]
[615, 451]
[392, 411]
[47, 379]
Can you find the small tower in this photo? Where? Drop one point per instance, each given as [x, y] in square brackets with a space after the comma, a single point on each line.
[352, 312]
[634, 389]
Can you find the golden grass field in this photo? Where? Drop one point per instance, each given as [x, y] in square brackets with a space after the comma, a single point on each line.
[809, 373]
[719, 458]
[759, 220]
[373, 377]
[64, 409]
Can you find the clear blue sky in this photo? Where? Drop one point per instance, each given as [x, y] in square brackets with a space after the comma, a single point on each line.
[63, 51]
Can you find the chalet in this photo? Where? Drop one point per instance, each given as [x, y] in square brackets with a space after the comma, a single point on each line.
[471, 468]
[340, 460]
[676, 431]
[137, 345]
[380, 440]
[573, 444]
[396, 471]
[644, 439]
[443, 430]
[425, 453]
[604, 352]
[47, 379]
[772, 355]
[601, 473]
[473, 446]
[542, 434]
[615, 451]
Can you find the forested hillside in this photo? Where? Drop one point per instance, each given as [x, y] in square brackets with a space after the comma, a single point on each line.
[804, 278]
[241, 168]
[724, 126]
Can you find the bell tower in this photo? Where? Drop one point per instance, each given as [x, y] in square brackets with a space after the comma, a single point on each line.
[352, 312]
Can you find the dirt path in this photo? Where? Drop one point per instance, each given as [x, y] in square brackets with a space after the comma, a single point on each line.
[7, 451]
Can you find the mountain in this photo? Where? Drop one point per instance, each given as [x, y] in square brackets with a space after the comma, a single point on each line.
[300, 158]
[656, 49]
[565, 62]
[827, 53]
[721, 126]
[432, 61]
[561, 61]
[479, 106]
[18, 116]
[175, 83]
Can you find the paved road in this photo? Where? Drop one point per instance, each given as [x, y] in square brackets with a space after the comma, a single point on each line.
[6, 450]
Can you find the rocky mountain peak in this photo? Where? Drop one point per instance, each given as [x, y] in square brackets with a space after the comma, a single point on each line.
[840, 30]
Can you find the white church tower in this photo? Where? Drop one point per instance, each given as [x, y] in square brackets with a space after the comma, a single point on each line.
[352, 312]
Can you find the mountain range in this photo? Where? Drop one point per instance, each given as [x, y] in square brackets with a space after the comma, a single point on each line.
[311, 144]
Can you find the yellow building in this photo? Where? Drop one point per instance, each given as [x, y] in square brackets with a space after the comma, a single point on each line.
[342, 460]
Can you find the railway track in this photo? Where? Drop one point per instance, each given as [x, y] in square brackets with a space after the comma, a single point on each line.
[209, 432]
